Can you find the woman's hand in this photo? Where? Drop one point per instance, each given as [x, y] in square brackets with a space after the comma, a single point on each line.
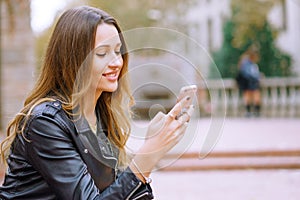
[164, 132]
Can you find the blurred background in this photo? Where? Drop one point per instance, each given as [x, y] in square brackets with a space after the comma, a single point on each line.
[249, 158]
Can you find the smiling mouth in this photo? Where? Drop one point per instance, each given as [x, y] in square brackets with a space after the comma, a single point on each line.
[111, 75]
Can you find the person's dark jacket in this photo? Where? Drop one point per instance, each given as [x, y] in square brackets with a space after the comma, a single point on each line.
[50, 161]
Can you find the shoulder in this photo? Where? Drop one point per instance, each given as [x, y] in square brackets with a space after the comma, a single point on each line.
[48, 108]
[246, 61]
[52, 112]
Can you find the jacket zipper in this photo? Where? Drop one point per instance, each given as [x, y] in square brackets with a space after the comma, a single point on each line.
[111, 157]
[115, 168]
[138, 197]
[133, 191]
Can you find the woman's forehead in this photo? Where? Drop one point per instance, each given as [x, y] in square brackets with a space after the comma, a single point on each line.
[107, 35]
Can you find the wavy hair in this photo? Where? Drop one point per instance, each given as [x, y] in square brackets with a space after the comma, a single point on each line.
[66, 62]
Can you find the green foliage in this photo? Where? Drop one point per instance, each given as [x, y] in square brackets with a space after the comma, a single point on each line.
[145, 13]
[130, 14]
[273, 62]
[226, 58]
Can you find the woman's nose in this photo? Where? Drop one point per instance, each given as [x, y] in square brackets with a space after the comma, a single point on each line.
[117, 61]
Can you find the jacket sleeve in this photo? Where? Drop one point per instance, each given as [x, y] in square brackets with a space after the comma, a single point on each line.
[51, 151]
[127, 181]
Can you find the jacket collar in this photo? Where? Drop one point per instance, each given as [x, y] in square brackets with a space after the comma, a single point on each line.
[98, 145]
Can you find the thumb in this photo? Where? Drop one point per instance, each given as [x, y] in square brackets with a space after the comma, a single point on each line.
[156, 124]
[158, 117]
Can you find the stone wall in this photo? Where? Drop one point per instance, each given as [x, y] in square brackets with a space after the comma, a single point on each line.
[17, 57]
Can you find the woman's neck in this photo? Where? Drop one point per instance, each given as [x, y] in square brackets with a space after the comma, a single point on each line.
[89, 107]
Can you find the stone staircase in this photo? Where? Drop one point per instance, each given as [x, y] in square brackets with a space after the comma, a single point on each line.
[257, 160]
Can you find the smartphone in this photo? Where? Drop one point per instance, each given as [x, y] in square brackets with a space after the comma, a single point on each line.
[189, 90]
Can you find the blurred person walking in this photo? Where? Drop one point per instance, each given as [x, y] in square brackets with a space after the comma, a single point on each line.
[248, 80]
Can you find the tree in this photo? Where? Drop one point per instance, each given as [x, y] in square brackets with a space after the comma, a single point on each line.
[248, 25]
[130, 14]
[144, 13]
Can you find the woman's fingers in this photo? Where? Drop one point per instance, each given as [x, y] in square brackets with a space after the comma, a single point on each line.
[186, 114]
[177, 109]
[168, 127]
[178, 134]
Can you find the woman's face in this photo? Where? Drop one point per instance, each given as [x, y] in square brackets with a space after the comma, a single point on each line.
[107, 61]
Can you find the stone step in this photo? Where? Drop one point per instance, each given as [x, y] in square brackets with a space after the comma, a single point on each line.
[232, 161]
[240, 153]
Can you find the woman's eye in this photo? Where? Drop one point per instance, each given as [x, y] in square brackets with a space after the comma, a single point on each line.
[118, 52]
[101, 54]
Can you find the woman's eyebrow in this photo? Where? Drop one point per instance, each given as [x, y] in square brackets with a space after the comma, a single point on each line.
[108, 45]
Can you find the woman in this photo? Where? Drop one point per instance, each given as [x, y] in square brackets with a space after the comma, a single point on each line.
[248, 81]
[68, 142]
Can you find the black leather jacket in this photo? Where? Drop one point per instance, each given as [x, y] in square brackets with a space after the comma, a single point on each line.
[51, 161]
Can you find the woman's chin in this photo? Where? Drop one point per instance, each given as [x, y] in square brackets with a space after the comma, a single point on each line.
[112, 88]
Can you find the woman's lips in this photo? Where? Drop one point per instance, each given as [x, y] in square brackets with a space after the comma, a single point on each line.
[111, 76]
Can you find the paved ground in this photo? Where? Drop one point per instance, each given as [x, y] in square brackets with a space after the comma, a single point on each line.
[241, 134]
[227, 185]
[238, 135]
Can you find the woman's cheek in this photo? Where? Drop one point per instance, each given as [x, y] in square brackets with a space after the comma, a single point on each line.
[98, 66]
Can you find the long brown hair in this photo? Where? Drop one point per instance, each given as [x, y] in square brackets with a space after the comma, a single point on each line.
[70, 45]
